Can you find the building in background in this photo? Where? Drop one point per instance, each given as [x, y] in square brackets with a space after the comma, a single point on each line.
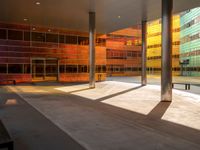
[190, 42]
[154, 46]
[31, 53]
[123, 52]
[35, 53]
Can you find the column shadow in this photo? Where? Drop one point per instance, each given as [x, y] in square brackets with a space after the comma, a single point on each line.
[117, 94]
[159, 110]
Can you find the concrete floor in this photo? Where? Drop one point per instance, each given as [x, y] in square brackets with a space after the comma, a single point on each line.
[118, 115]
[156, 80]
[29, 128]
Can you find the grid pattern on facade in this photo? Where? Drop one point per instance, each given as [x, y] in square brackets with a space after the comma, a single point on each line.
[190, 42]
[154, 46]
[24, 50]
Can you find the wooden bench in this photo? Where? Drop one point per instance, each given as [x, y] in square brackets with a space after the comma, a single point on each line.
[5, 139]
[13, 81]
[187, 85]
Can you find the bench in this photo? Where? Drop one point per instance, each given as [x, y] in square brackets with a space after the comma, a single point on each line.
[5, 138]
[187, 85]
[13, 81]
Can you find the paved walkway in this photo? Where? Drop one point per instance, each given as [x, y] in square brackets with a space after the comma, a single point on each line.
[155, 80]
[119, 116]
[29, 128]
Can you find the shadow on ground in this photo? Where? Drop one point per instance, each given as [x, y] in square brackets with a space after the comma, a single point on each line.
[151, 122]
[29, 128]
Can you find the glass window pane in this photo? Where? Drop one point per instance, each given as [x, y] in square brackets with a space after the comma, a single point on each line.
[83, 40]
[71, 39]
[61, 39]
[52, 38]
[82, 68]
[27, 36]
[62, 68]
[100, 42]
[27, 68]
[71, 68]
[104, 69]
[15, 68]
[38, 37]
[3, 68]
[15, 35]
[98, 69]
[3, 34]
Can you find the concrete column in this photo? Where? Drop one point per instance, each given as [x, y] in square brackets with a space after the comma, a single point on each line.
[144, 53]
[58, 71]
[166, 74]
[92, 41]
[44, 73]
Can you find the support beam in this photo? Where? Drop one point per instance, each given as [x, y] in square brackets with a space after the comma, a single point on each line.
[44, 69]
[58, 71]
[144, 53]
[92, 41]
[166, 75]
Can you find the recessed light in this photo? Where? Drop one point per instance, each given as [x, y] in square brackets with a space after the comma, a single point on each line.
[37, 3]
[25, 19]
[119, 17]
[33, 29]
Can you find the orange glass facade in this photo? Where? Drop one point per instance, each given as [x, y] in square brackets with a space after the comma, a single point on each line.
[34, 53]
[124, 52]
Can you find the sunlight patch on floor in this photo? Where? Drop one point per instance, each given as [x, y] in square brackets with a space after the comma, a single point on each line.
[102, 89]
[183, 110]
[11, 102]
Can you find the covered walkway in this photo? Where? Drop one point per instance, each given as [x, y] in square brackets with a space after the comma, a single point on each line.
[117, 115]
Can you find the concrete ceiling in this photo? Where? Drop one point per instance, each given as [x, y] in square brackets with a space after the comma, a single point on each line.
[73, 14]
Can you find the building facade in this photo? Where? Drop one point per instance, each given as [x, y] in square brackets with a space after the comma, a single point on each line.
[123, 50]
[30, 53]
[154, 46]
[190, 42]
[33, 53]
